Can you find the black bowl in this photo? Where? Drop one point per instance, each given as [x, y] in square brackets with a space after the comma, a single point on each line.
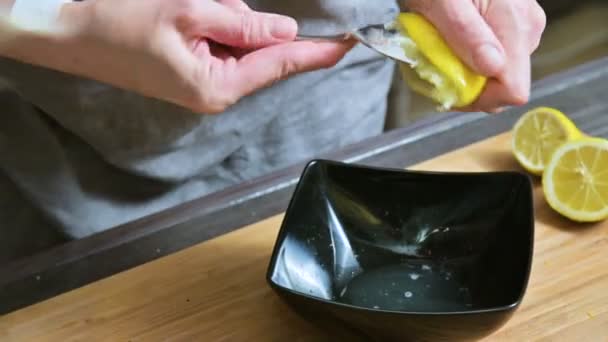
[403, 255]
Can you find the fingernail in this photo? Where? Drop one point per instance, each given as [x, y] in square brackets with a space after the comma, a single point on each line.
[283, 27]
[489, 60]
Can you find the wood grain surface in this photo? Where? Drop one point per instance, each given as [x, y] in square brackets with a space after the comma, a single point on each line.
[216, 291]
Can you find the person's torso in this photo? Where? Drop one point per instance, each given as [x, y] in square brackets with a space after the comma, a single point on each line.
[105, 156]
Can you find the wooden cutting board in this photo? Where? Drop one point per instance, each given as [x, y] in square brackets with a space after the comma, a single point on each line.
[216, 291]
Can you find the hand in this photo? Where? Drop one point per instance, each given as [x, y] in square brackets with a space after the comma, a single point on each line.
[494, 37]
[201, 54]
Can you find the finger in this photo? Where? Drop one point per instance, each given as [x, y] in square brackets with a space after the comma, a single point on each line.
[513, 31]
[516, 80]
[511, 89]
[244, 29]
[266, 66]
[473, 109]
[490, 100]
[466, 32]
[538, 23]
[219, 51]
[239, 53]
[498, 110]
[238, 5]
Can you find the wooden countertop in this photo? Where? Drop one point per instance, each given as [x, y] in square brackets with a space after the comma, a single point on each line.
[216, 291]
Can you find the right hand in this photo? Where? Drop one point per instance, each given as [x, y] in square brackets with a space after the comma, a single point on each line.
[494, 37]
[201, 54]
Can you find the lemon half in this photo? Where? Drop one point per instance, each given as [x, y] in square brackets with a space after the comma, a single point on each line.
[575, 181]
[438, 73]
[538, 133]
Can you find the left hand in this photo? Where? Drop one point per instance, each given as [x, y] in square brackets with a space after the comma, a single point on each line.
[494, 37]
[204, 55]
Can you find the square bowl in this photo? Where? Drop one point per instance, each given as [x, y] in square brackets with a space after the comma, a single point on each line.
[405, 255]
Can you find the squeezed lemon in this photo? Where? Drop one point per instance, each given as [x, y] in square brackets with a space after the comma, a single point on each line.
[437, 72]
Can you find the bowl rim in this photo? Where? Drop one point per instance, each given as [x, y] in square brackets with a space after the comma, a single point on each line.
[497, 309]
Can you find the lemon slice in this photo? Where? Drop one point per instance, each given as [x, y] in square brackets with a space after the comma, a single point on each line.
[437, 73]
[575, 181]
[537, 134]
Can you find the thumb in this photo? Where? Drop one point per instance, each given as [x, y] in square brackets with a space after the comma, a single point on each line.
[248, 29]
[466, 32]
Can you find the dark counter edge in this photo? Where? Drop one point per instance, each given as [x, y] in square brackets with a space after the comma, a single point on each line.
[77, 263]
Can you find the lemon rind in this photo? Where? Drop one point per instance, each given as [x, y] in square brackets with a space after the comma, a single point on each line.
[460, 96]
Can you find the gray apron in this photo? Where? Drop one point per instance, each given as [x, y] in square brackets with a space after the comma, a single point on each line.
[78, 157]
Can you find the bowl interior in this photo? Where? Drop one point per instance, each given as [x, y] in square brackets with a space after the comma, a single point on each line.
[406, 241]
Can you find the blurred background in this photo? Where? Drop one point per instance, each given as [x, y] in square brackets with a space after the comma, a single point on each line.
[577, 32]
